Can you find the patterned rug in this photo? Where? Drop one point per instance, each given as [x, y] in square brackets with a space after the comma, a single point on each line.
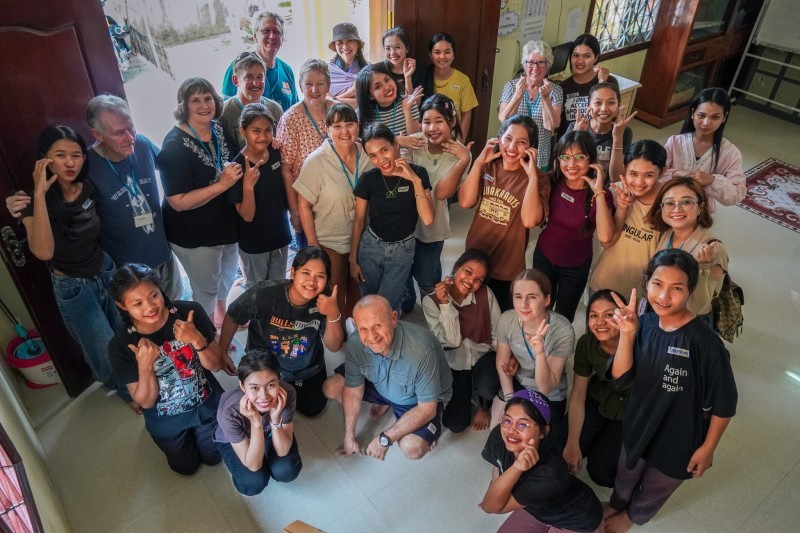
[773, 192]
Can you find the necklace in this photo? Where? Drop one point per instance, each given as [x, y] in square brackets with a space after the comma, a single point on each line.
[391, 193]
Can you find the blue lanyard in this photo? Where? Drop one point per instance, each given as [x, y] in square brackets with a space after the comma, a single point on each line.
[314, 122]
[522, 330]
[531, 107]
[354, 182]
[133, 190]
[669, 241]
[218, 164]
[394, 115]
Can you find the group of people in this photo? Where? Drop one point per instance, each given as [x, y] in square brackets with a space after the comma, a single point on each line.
[361, 164]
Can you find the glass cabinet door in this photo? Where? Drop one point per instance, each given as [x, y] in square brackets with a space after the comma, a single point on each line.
[711, 18]
[689, 83]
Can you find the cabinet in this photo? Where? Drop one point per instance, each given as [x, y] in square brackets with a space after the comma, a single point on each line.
[695, 44]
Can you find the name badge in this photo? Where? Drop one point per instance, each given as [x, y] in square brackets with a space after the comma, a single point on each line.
[456, 87]
[680, 352]
[286, 88]
[276, 165]
[488, 177]
[312, 310]
[403, 188]
[87, 204]
[143, 220]
[567, 197]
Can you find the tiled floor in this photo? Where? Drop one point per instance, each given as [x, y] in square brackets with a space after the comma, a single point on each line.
[112, 477]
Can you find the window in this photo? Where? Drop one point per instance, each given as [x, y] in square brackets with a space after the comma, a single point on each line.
[618, 24]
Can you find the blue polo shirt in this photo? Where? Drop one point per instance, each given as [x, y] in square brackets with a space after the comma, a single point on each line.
[415, 371]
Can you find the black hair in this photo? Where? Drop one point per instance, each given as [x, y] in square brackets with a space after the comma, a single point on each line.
[444, 106]
[602, 294]
[524, 121]
[367, 106]
[400, 33]
[312, 252]
[648, 150]
[340, 112]
[441, 36]
[530, 410]
[605, 85]
[377, 131]
[126, 278]
[713, 95]
[473, 254]
[192, 86]
[675, 257]
[54, 198]
[256, 361]
[587, 145]
[250, 112]
[589, 40]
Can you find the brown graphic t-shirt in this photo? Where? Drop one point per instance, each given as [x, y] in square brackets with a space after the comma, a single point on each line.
[497, 226]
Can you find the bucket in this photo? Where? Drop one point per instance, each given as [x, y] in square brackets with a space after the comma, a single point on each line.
[39, 371]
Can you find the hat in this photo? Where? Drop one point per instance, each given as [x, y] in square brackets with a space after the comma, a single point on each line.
[539, 402]
[344, 31]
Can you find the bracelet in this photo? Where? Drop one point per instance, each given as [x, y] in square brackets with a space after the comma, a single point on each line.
[618, 148]
[504, 396]
[279, 425]
[421, 195]
[337, 319]
[203, 348]
[600, 193]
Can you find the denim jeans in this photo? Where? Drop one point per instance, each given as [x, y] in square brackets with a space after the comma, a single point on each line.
[248, 482]
[91, 317]
[566, 283]
[386, 266]
[426, 269]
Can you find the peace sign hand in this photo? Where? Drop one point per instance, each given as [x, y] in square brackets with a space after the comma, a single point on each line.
[538, 339]
[625, 318]
[621, 123]
[40, 182]
[581, 119]
[623, 196]
[251, 173]
[596, 184]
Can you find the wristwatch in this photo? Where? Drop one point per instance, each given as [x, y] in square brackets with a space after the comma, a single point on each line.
[383, 440]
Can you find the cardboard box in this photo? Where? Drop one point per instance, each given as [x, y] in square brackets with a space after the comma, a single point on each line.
[298, 526]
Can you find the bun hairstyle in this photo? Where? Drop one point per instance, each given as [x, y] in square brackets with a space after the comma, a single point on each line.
[444, 106]
[256, 361]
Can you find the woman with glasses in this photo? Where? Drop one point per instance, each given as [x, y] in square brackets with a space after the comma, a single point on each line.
[680, 213]
[530, 478]
[279, 78]
[534, 96]
[579, 205]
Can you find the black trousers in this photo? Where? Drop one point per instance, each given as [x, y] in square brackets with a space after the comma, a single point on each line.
[480, 383]
[310, 399]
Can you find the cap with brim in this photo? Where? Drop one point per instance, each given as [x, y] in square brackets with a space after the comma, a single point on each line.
[537, 400]
[344, 31]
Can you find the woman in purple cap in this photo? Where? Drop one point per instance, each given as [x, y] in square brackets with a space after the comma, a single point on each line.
[531, 478]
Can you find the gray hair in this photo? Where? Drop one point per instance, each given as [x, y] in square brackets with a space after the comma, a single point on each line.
[255, 22]
[109, 103]
[314, 65]
[537, 47]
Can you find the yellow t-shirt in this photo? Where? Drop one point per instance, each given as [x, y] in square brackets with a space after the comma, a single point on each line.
[459, 89]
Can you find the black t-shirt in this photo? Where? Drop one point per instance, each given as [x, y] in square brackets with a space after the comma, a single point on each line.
[269, 229]
[548, 491]
[186, 164]
[188, 393]
[392, 206]
[292, 333]
[576, 96]
[76, 229]
[680, 378]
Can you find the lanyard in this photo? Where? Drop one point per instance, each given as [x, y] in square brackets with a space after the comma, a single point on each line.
[218, 164]
[354, 181]
[525, 340]
[531, 106]
[314, 122]
[669, 241]
[132, 189]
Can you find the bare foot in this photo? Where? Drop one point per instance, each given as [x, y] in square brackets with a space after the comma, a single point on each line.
[376, 411]
[618, 523]
[135, 407]
[480, 421]
[609, 511]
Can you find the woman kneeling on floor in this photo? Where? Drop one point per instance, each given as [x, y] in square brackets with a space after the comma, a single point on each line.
[255, 434]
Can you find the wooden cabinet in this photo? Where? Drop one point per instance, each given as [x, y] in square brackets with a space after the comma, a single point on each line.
[696, 44]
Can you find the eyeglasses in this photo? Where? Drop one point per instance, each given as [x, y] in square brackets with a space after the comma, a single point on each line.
[531, 64]
[267, 33]
[520, 425]
[578, 158]
[682, 205]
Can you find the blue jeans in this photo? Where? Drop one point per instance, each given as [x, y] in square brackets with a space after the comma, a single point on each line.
[426, 269]
[91, 318]
[283, 469]
[386, 266]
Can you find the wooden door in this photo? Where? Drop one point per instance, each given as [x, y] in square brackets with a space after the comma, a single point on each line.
[473, 24]
[54, 57]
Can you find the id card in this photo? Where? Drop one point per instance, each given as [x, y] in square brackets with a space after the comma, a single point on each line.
[143, 220]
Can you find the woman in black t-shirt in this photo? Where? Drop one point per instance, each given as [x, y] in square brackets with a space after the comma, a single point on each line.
[396, 194]
[292, 319]
[63, 228]
[529, 475]
[166, 354]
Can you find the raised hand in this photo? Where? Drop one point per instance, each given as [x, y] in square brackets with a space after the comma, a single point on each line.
[596, 184]
[458, 150]
[624, 196]
[327, 305]
[278, 407]
[706, 253]
[40, 182]
[17, 202]
[621, 122]
[546, 88]
[405, 170]
[442, 289]
[625, 318]
[185, 331]
[251, 173]
[529, 164]
[409, 66]
[527, 458]
[488, 154]
[231, 174]
[249, 411]
[602, 73]
[582, 119]
[146, 353]
[538, 339]
[520, 87]
[413, 98]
